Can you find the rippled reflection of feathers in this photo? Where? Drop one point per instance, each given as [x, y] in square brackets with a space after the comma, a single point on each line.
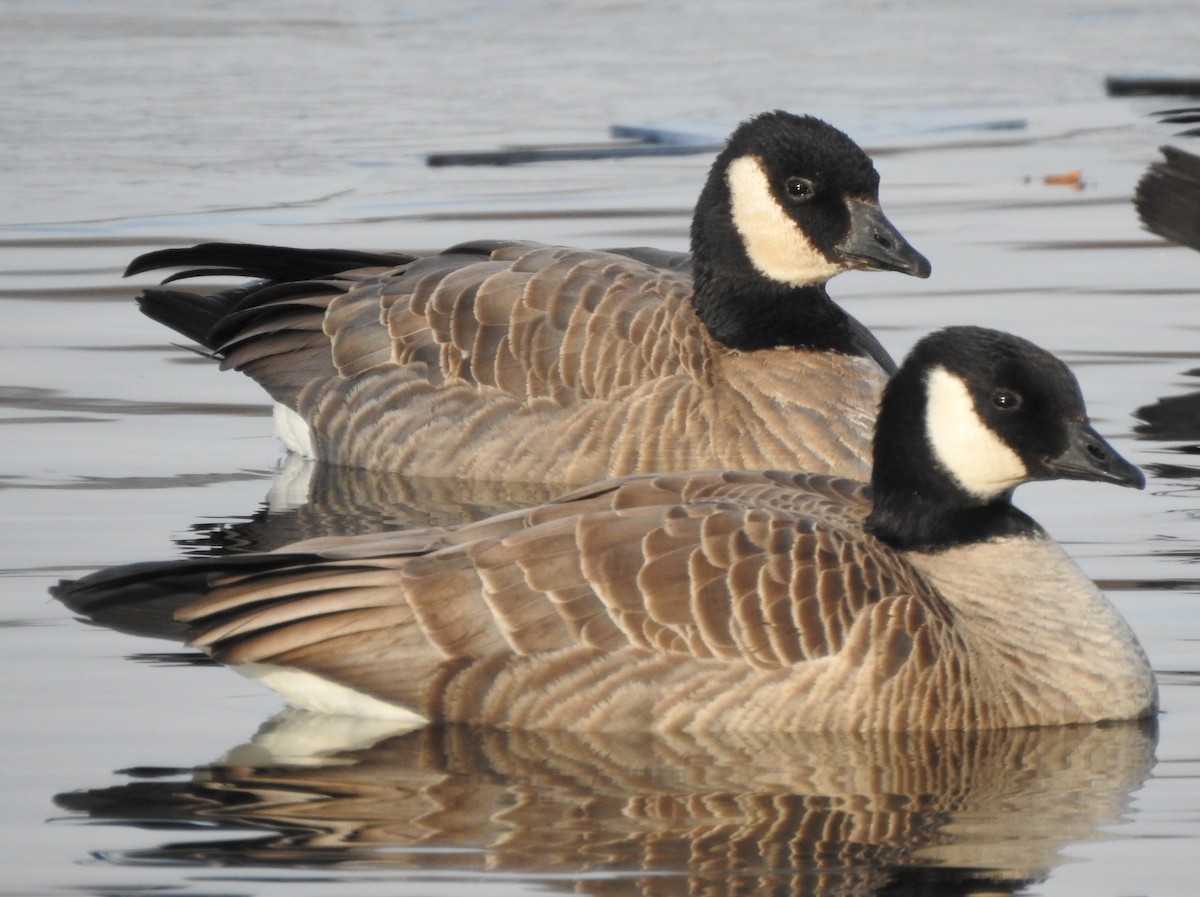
[630, 814]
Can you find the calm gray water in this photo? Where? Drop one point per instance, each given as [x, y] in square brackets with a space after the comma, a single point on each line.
[127, 769]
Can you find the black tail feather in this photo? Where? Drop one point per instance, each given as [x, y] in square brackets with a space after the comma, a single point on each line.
[274, 263]
[142, 599]
[200, 317]
[190, 314]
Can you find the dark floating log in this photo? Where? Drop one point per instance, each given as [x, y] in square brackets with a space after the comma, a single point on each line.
[627, 142]
[1151, 85]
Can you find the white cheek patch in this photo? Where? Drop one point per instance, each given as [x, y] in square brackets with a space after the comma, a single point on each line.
[776, 245]
[968, 448]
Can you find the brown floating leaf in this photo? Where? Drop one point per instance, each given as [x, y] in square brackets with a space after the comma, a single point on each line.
[1070, 178]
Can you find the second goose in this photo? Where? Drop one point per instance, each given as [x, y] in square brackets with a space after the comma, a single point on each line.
[524, 362]
[700, 601]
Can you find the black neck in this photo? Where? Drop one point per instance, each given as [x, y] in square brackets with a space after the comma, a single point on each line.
[915, 521]
[918, 505]
[747, 311]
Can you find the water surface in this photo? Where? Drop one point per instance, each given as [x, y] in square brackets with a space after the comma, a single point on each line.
[128, 768]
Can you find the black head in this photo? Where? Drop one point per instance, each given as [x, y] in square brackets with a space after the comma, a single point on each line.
[789, 203]
[797, 201]
[971, 414]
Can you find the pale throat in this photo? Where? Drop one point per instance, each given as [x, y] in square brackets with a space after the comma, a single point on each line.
[776, 245]
[970, 451]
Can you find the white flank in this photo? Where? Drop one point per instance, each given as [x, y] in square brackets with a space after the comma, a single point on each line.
[776, 245]
[308, 691]
[293, 430]
[970, 450]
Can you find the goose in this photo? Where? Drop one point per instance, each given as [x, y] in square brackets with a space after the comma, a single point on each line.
[1168, 196]
[508, 360]
[717, 600]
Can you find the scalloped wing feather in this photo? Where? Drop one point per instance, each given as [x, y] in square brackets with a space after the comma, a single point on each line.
[533, 363]
[748, 572]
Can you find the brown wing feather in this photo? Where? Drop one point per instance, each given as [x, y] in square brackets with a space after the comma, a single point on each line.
[532, 320]
[761, 571]
[532, 363]
[288, 328]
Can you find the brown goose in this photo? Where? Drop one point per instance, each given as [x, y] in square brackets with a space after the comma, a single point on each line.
[525, 362]
[718, 600]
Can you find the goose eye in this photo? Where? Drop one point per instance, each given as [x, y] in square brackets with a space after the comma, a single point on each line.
[1006, 400]
[800, 189]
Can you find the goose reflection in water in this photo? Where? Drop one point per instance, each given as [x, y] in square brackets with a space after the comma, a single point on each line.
[889, 813]
[309, 500]
[1167, 200]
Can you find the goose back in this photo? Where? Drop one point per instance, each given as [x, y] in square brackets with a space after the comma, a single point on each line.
[538, 363]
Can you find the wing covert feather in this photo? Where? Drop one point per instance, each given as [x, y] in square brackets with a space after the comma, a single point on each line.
[532, 320]
[754, 572]
[527, 363]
